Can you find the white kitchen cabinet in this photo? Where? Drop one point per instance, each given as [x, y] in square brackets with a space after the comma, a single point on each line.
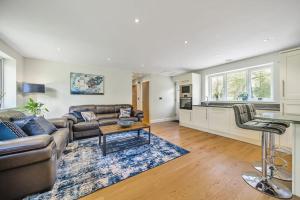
[185, 117]
[218, 119]
[221, 121]
[200, 117]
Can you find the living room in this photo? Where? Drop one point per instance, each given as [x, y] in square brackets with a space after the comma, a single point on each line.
[149, 99]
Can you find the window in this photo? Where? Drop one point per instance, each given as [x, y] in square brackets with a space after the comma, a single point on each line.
[252, 84]
[261, 82]
[217, 87]
[236, 85]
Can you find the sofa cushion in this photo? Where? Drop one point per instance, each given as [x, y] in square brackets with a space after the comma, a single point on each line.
[15, 128]
[22, 120]
[88, 116]
[61, 137]
[82, 108]
[83, 126]
[6, 133]
[125, 112]
[7, 115]
[104, 122]
[104, 109]
[106, 116]
[38, 126]
[78, 116]
[119, 106]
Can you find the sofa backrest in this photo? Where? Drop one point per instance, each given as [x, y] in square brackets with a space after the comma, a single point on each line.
[82, 108]
[6, 115]
[100, 109]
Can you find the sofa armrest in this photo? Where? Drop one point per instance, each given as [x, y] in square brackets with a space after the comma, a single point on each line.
[59, 122]
[71, 118]
[24, 151]
[139, 114]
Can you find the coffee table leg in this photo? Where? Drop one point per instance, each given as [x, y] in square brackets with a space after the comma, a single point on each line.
[100, 140]
[139, 133]
[104, 145]
[149, 134]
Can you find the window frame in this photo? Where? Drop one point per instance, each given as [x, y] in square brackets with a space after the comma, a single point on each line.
[248, 71]
[1, 81]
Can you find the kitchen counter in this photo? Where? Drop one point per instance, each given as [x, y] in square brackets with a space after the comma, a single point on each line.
[295, 125]
[279, 117]
[258, 106]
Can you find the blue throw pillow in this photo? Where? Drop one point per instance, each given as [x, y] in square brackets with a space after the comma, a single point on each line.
[78, 115]
[15, 128]
[39, 126]
[6, 133]
[21, 121]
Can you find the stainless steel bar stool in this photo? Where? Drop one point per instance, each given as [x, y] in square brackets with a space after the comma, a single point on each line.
[261, 182]
[273, 170]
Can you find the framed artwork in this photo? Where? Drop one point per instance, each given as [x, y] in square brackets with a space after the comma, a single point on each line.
[86, 84]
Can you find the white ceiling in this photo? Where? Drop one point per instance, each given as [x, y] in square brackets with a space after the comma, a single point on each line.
[103, 32]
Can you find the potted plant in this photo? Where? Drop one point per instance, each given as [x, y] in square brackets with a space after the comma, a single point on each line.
[35, 108]
[244, 96]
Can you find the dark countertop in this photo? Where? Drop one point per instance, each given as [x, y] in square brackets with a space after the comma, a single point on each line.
[258, 106]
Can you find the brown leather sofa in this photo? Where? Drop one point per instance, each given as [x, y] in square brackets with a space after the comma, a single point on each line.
[28, 164]
[106, 115]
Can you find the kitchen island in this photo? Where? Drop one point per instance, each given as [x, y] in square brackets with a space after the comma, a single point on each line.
[295, 129]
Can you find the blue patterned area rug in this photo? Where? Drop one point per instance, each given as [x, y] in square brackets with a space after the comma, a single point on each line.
[83, 169]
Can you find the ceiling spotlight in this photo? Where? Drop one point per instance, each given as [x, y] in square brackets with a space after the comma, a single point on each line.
[186, 42]
[142, 65]
[266, 40]
[136, 20]
[109, 59]
[58, 49]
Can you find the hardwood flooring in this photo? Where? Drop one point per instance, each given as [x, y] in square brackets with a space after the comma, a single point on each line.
[212, 170]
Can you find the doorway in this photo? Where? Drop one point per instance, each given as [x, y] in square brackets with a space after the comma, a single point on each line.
[134, 97]
[145, 101]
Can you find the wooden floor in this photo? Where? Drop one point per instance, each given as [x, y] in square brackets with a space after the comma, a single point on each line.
[211, 171]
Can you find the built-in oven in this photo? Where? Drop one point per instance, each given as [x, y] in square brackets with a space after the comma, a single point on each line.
[186, 103]
[186, 91]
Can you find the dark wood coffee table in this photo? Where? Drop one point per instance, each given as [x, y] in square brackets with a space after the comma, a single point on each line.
[116, 129]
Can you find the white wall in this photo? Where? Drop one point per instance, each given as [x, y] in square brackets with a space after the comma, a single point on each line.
[263, 59]
[161, 109]
[15, 61]
[10, 83]
[56, 77]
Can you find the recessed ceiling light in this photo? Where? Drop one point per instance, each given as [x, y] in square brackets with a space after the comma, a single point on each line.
[109, 59]
[142, 65]
[58, 49]
[186, 42]
[136, 20]
[266, 39]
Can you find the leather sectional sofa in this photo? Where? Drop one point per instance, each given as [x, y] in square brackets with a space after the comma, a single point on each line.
[28, 164]
[106, 115]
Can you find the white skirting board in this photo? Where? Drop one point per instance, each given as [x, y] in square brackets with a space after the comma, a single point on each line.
[228, 135]
[162, 120]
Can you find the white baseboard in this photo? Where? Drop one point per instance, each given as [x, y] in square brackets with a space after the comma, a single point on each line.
[228, 135]
[162, 120]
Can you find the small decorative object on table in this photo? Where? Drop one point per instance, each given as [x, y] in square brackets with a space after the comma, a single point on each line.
[125, 123]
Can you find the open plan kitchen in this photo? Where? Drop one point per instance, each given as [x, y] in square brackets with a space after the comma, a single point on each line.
[268, 86]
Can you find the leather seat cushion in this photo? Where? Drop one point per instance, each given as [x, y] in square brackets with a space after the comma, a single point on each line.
[61, 137]
[104, 122]
[106, 116]
[84, 126]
